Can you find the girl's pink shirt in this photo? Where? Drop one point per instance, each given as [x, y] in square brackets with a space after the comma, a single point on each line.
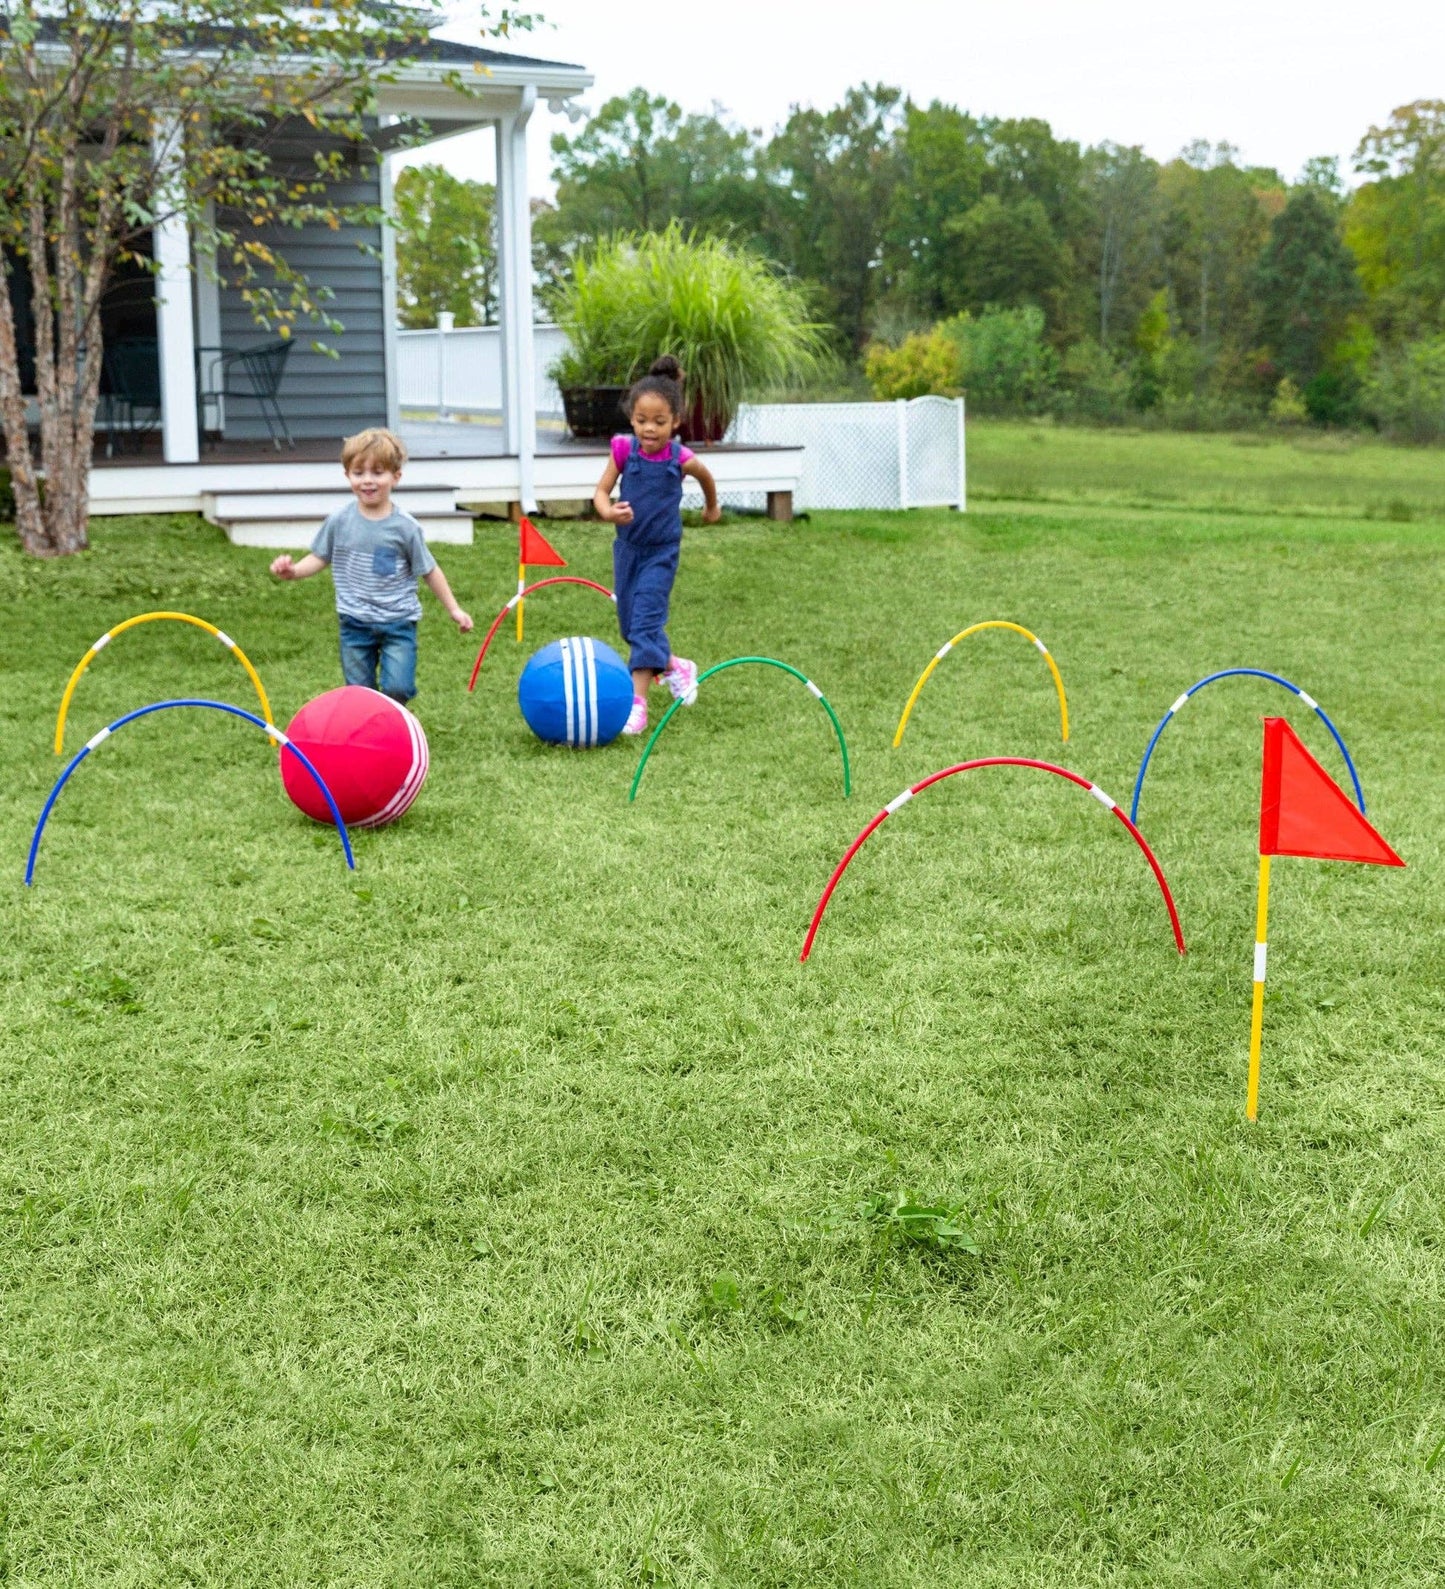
[622, 447]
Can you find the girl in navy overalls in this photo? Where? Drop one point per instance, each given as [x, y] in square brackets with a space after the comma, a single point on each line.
[648, 514]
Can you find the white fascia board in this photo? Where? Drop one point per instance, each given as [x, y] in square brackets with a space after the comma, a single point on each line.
[430, 98]
[544, 76]
[550, 82]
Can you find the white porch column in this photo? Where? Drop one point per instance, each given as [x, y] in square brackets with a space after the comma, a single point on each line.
[388, 289]
[208, 319]
[514, 251]
[175, 330]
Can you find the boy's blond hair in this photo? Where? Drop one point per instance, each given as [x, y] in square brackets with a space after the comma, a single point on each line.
[382, 448]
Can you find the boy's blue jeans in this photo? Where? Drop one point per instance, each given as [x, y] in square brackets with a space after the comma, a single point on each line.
[389, 647]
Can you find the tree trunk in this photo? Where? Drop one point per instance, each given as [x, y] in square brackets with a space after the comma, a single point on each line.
[67, 495]
[1108, 273]
[65, 308]
[29, 519]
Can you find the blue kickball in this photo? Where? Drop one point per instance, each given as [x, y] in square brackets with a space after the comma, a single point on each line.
[575, 692]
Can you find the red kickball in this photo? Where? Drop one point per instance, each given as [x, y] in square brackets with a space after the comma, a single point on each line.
[369, 749]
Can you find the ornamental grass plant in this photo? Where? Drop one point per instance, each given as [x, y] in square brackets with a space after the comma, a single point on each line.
[735, 323]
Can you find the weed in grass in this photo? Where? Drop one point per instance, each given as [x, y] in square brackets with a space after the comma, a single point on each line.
[894, 1219]
[785, 1311]
[941, 1229]
[99, 991]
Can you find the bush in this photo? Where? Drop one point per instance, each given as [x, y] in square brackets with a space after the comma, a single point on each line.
[1405, 391]
[1007, 368]
[1207, 411]
[927, 363]
[1333, 398]
[734, 322]
[1095, 386]
[1287, 406]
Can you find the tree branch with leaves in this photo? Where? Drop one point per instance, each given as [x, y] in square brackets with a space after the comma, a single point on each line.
[117, 117]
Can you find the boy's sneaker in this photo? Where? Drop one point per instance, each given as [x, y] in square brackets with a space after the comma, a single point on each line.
[680, 676]
[637, 718]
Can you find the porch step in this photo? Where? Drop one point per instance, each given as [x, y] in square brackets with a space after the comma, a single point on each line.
[290, 519]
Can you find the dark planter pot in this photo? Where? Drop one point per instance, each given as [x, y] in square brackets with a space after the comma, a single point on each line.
[699, 428]
[594, 411]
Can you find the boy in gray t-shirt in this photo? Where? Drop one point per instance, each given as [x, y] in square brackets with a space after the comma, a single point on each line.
[376, 554]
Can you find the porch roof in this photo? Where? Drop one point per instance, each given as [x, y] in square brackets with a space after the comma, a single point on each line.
[422, 72]
[498, 82]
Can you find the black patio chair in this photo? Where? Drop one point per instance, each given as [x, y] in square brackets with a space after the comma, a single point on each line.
[247, 375]
[132, 398]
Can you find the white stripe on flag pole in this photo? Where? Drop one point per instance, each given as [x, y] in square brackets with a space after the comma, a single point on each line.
[1261, 955]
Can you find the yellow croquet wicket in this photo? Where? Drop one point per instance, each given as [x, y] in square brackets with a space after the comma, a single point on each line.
[963, 634]
[521, 586]
[1256, 1020]
[152, 617]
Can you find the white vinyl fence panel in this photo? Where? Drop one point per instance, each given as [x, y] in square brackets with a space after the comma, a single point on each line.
[908, 454]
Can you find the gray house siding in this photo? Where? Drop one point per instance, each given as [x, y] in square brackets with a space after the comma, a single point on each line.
[319, 395]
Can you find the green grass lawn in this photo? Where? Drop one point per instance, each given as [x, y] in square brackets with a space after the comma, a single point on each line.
[1339, 474]
[492, 1217]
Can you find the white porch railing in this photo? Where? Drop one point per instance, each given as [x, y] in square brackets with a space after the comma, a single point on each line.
[458, 370]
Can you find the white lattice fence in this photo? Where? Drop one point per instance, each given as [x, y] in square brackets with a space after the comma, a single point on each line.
[907, 454]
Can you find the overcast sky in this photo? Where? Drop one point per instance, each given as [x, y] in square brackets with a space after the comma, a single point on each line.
[1281, 79]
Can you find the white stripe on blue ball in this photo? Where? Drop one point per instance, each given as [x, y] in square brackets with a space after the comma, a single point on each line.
[588, 647]
[579, 688]
[567, 691]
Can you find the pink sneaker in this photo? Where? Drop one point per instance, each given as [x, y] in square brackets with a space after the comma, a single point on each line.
[680, 676]
[637, 718]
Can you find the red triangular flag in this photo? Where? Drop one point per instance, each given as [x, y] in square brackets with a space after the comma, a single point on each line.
[535, 547]
[1303, 811]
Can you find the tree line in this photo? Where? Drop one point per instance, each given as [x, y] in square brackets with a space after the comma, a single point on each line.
[950, 250]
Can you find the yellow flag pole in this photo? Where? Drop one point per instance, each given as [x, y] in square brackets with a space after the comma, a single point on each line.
[1256, 1023]
[521, 586]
